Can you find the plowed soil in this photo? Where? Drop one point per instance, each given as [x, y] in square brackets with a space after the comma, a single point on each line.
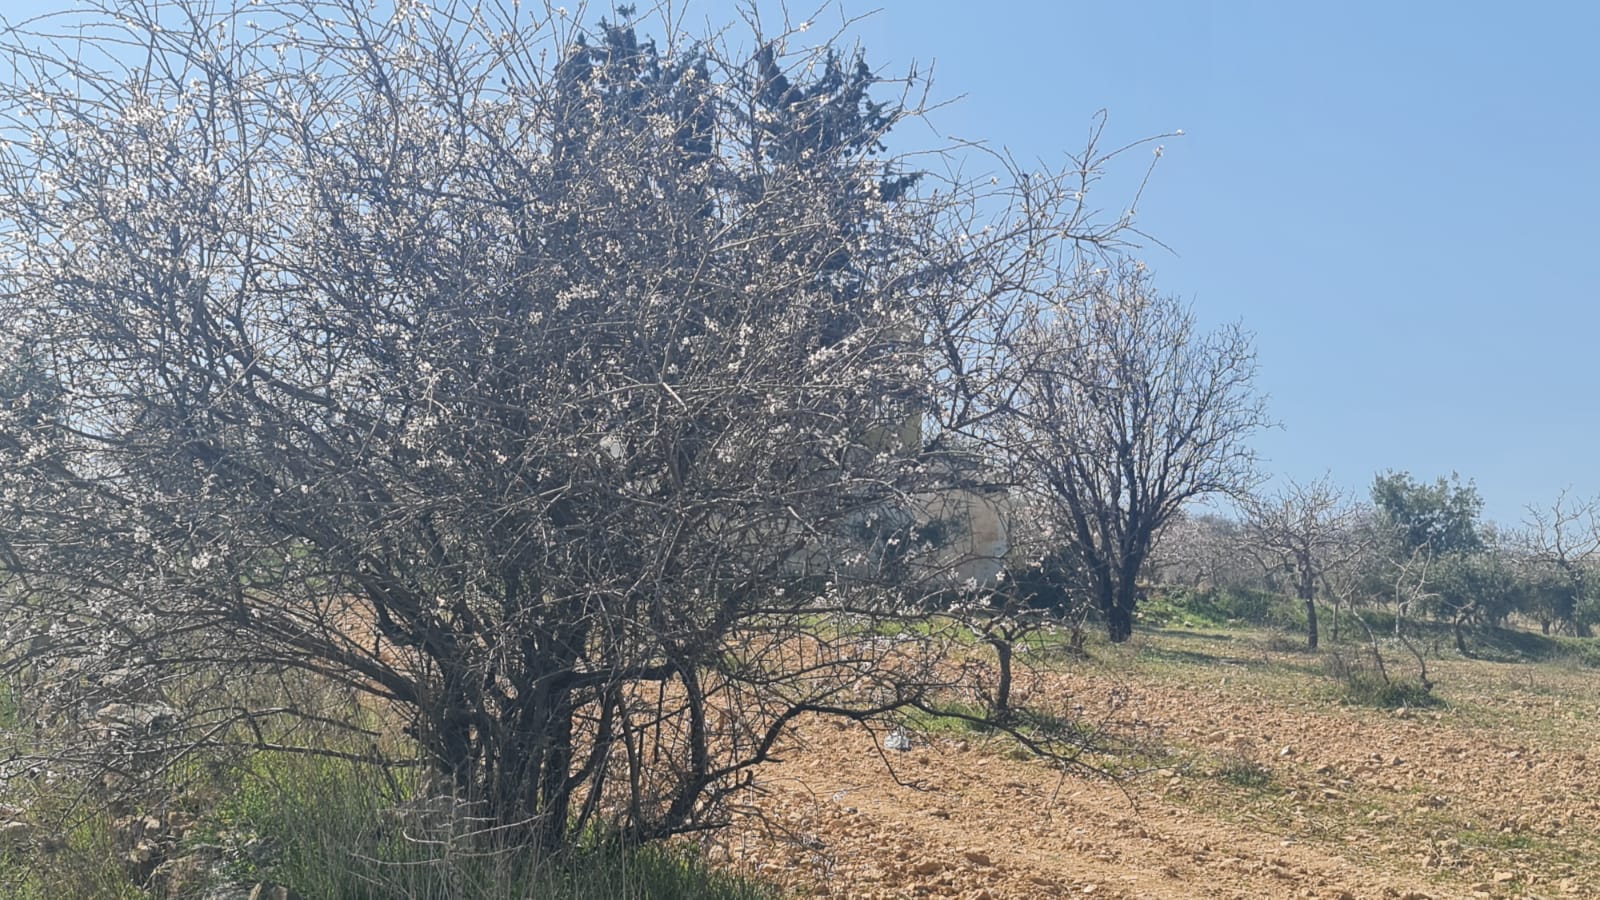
[1242, 773]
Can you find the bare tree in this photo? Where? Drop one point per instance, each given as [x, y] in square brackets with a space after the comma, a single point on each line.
[1308, 530]
[1566, 539]
[1122, 413]
[548, 385]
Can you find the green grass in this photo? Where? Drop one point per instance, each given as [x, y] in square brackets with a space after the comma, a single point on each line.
[333, 829]
[337, 836]
[83, 864]
[1511, 645]
[1218, 609]
[1364, 689]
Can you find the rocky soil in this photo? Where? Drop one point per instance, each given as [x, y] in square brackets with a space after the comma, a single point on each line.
[1246, 776]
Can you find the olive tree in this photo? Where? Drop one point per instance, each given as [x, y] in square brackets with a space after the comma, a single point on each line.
[557, 391]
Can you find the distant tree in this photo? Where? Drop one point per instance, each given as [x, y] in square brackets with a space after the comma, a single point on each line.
[1307, 529]
[1441, 517]
[1565, 541]
[1426, 527]
[1205, 551]
[1481, 589]
[1123, 412]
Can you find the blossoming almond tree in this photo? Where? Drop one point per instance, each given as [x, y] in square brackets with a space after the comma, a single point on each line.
[1122, 412]
[548, 385]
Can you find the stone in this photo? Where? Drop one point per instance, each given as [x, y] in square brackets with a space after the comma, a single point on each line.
[136, 716]
[14, 834]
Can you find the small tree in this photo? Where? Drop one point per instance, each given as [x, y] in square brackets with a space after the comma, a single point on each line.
[1565, 541]
[1425, 525]
[1123, 413]
[1307, 529]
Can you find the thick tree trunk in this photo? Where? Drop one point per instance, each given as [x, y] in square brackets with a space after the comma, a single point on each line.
[1308, 593]
[1119, 597]
[1117, 604]
[1119, 623]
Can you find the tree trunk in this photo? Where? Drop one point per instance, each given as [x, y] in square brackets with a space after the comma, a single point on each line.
[1119, 597]
[1119, 623]
[1117, 602]
[1458, 626]
[1308, 593]
[1002, 689]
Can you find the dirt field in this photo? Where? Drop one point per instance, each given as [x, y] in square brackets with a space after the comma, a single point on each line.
[1253, 777]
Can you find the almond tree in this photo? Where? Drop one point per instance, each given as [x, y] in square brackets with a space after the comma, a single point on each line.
[544, 385]
[1308, 530]
[1122, 413]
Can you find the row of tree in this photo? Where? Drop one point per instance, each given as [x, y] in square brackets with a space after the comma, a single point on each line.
[1416, 547]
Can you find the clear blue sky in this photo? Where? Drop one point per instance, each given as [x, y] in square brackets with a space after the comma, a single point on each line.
[1399, 199]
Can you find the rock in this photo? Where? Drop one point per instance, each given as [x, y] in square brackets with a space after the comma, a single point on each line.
[14, 834]
[136, 716]
[143, 852]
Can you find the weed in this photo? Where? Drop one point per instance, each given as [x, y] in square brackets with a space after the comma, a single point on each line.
[1244, 773]
[1365, 689]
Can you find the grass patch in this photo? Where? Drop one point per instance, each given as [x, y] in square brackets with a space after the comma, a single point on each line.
[1246, 774]
[334, 829]
[1215, 608]
[84, 863]
[338, 830]
[1366, 689]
